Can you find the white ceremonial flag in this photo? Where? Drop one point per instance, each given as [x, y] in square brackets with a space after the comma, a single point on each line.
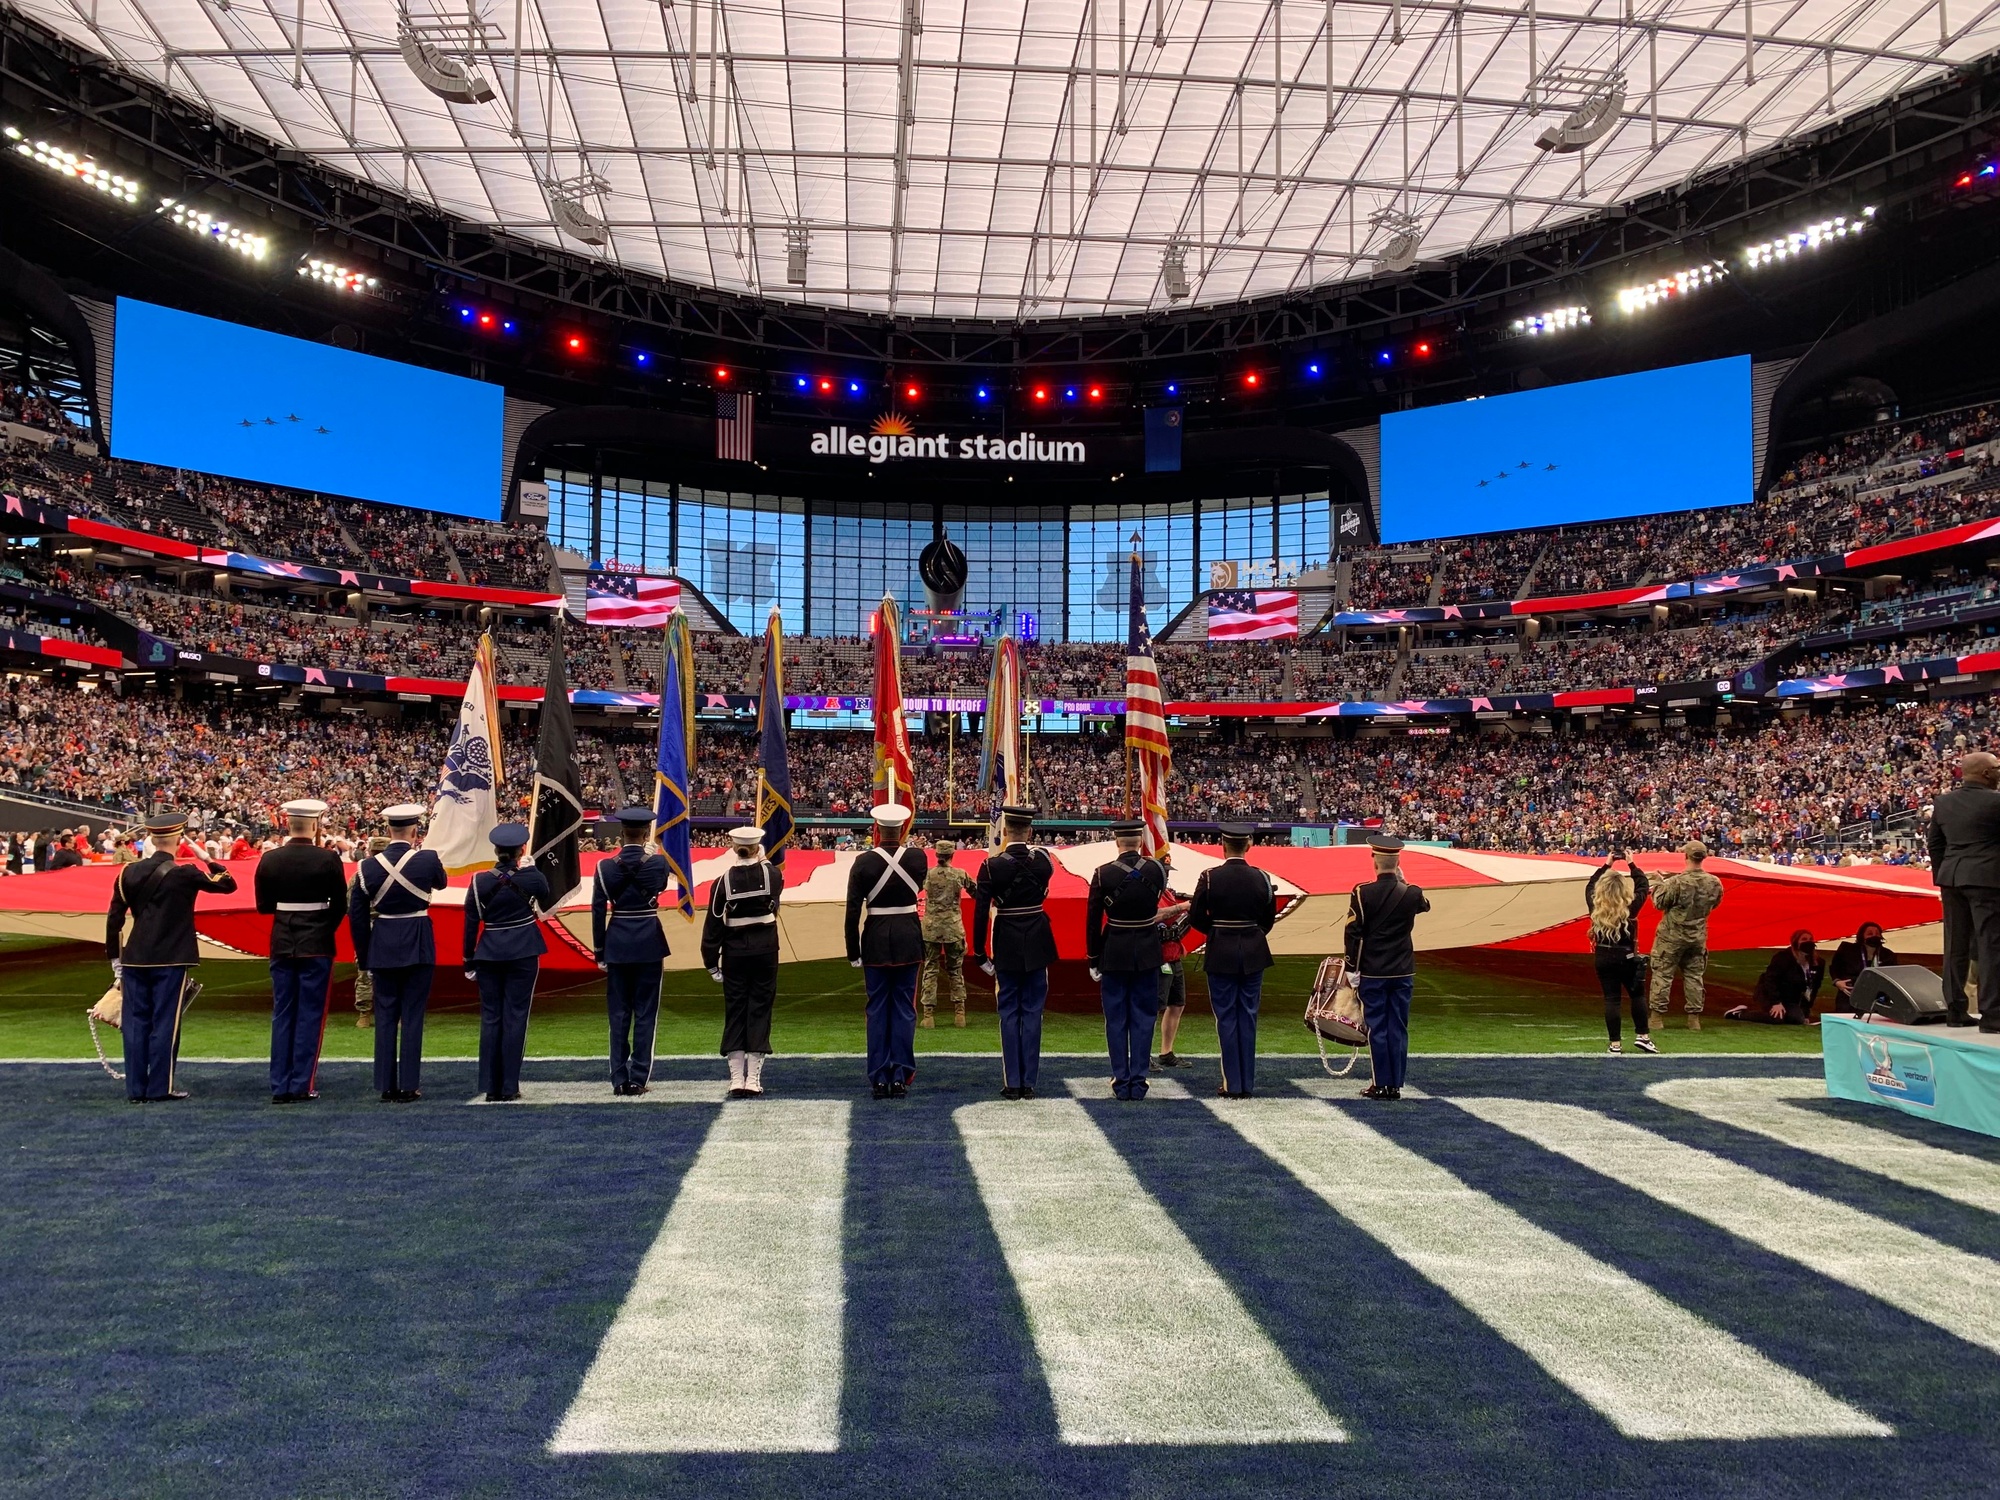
[465, 810]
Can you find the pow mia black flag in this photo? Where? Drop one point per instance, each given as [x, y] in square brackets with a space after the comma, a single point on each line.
[557, 816]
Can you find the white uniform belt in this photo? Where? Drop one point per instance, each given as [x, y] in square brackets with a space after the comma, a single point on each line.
[769, 916]
[303, 905]
[509, 926]
[1145, 922]
[399, 916]
[1018, 911]
[651, 911]
[892, 911]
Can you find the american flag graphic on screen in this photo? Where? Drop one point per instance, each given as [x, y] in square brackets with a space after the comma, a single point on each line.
[1146, 745]
[1240, 615]
[733, 426]
[628, 599]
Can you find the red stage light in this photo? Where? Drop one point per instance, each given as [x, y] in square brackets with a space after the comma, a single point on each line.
[486, 320]
[1423, 351]
[1250, 379]
[1097, 393]
[909, 393]
[574, 343]
[1041, 393]
[721, 376]
[826, 387]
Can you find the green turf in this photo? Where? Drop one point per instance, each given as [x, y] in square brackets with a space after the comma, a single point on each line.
[1466, 1001]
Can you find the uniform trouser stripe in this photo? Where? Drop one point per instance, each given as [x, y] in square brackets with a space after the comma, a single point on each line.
[731, 1338]
[1651, 1368]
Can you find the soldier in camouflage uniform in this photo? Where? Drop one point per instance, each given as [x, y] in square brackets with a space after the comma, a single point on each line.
[944, 937]
[364, 982]
[1680, 945]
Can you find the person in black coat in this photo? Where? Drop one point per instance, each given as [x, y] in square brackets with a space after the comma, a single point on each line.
[628, 945]
[1788, 987]
[1614, 899]
[1121, 931]
[1964, 843]
[1381, 955]
[503, 955]
[151, 967]
[739, 948]
[302, 887]
[389, 918]
[887, 945]
[1234, 906]
[1010, 894]
[1864, 951]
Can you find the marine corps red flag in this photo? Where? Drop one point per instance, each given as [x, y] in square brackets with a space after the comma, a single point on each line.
[894, 781]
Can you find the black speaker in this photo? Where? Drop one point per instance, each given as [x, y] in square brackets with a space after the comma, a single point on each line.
[1908, 993]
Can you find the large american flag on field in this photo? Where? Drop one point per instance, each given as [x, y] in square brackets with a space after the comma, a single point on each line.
[1240, 615]
[1146, 720]
[733, 426]
[628, 599]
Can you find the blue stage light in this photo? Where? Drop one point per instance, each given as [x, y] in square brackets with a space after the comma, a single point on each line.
[1069, 393]
[804, 383]
[982, 394]
[1312, 370]
[642, 356]
[1384, 357]
[1173, 390]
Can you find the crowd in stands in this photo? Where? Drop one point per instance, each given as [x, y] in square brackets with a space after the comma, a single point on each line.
[1384, 578]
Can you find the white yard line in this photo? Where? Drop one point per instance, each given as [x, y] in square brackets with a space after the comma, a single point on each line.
[1958, 1292]
[1140, 1339]
[1649, 1367]
[660, 1091]
[1768, 1107]
[730, 1339]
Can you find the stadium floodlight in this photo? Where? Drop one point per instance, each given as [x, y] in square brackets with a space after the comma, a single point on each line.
[77, 168]
[1634, 299]
[196, 221]
[1555, 320]
[1173, 271]
[439, 54]
[798, 244]
[1599, 104]
[1799, 241]
[340, 278]
[569, 198]
[1406, 236]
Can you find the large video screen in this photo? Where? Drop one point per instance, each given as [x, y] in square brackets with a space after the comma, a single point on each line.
[1598, 450]
[196, 393]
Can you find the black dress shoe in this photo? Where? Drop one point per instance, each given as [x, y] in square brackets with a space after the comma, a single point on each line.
[390, 1096]
[618, 1090]
[492, 1098]
[636, 1088]
[130, 1100]
[1958, 1018]
[1223, 1093]
[1010, 1093]
[281, 1098]
[881, 1090]
[1989, 1023]
[1375, 1091]
[410, 1096]
[1027, 1093]
[513, 1098]
[899, 1091]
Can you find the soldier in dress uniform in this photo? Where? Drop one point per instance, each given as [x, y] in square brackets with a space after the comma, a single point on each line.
[1013, 885]
[739, 946]
[303, 888]
[152, 965]
[1234, 905]
[627, 941]
[1121, 929]
[887, 946]
[1381, 915]
[389, 915]
[503, 955]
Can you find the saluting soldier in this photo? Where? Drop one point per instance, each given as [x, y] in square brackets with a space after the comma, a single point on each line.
[1234, 905]
[629, 945]
[1013, 886]
[151, 966]
[739, 946]
[1121, 927]
[503, 955]
[389, 915]
[887, 945]
[303, 888]
[1381, 956]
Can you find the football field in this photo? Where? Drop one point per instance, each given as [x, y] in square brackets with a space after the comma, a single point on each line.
[1537, 1276]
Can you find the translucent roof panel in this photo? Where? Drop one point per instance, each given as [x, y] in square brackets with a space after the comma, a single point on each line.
[1029, 158]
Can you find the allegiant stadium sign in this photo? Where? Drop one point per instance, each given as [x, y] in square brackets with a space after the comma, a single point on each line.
[893, 437]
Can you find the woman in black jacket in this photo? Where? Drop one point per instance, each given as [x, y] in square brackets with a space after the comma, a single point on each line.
[1614, 899]
[1788, 987]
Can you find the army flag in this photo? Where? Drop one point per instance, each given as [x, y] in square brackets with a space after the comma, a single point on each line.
[774, 766]
[1000, 759]
[894, 781]
[1147, 751]
[556, 817]
[465, 807]
[673, 821]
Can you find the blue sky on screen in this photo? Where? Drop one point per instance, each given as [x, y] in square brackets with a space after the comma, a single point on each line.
[1630, 445]
[196, 393]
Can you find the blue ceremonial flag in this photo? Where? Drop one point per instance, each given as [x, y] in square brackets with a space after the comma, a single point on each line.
[1163, 439]
[774, 775]
[673, 823]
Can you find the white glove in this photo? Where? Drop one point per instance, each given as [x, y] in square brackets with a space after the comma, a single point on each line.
[603, 967]
[716, 975]
[117, 971]
[1096, 976]
[854, 963]
[471, 973]
[986, 967]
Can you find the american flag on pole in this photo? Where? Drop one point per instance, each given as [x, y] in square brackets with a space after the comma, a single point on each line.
[628, 599]
[1146, 720]
[733, 426]
[1239, 615]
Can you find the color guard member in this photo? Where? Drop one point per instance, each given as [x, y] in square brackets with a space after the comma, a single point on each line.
[1121, 927]
[630, 947]
[887, 946]
[389, 915]
[1014, 885]
[503, 955]
[303, 888]
[1234, 905]
[739, 945]
[1381, 915]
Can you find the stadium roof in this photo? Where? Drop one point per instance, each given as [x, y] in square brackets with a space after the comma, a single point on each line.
[1021, 160]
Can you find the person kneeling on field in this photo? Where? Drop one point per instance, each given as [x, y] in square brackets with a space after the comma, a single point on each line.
[1788, 987]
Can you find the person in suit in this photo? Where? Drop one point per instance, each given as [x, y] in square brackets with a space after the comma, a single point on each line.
[1964, 843]
[1381, 917]
[389, 917]
[152, 966]
[1121, 930]
[887, 945]
[1789, 986]
[630, 947]
[302, 887]
[1234, 906]
[1014, 943]
[1864, 951]
[503, 955]
[739, 947]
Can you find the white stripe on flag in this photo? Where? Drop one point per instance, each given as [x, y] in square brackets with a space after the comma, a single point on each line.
[1650, 1368]
[730, 1340]
[1140, 1339]
[1769, 1107]
[1958, 1292]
